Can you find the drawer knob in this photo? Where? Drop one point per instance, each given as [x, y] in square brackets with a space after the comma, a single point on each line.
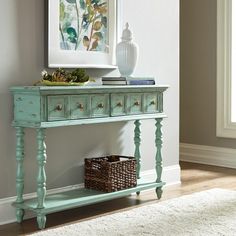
[19, 99]
[152, 103]
[119, 104]
[80, 106]
[100, 105]
[137, 103]
[59, 107]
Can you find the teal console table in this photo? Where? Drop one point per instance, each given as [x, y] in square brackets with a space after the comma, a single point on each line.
[46, 107]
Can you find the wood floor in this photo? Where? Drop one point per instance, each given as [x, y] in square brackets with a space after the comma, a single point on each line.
[195, 178]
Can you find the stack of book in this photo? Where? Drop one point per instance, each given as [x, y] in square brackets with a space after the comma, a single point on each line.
[114, 81]
[128, 81]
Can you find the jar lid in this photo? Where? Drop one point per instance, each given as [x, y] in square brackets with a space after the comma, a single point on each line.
[127, 34]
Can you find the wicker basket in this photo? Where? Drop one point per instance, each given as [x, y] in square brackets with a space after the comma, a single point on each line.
[110, 173]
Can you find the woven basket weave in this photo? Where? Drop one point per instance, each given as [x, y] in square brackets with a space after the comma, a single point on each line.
[110, 173]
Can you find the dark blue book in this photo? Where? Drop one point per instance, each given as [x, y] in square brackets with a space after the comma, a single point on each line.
[141, 82]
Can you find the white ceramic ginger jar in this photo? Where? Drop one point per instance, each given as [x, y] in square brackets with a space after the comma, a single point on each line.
[126, 53]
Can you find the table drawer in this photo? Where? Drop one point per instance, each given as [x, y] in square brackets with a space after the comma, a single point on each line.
[79, 106]
[135, 103]
[57, 108]
[118, 105]
[151, 102]
[100, 105]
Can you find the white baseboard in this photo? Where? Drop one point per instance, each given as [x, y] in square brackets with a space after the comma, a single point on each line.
[208, 155]
[171, 175]
[7, 214]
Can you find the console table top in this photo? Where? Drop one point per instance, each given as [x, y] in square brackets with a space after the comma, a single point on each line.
[87, 87]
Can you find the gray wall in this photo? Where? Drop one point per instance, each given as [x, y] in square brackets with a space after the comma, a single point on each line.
[156, 29]
[198, 74]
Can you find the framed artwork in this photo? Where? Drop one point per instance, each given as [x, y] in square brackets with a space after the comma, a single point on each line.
[82, 33]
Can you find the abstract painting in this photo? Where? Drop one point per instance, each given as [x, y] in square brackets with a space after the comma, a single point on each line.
[83, 25]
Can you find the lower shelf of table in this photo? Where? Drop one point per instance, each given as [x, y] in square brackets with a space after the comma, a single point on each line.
[80, 197]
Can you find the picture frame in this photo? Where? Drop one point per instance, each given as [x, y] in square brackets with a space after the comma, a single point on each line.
[76, 48]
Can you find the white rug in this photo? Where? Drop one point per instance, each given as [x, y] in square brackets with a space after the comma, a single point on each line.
[211, 212]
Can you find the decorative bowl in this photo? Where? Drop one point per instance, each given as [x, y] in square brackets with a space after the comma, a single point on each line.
[50, 83]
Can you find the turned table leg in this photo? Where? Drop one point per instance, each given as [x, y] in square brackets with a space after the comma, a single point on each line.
[41, 179]
[158, 156]
[137, 142]
[19, 172]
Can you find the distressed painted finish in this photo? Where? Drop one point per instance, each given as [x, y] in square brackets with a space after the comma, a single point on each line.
[158, 156]
[44, 107]
[19, 171]
[47, 107]
[41, 158]
[81, 197]
[118, 107]
[41, 220]
[41, 179]
[137, 142]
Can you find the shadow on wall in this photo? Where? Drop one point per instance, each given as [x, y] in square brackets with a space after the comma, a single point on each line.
[67, 148]
[122, 138]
